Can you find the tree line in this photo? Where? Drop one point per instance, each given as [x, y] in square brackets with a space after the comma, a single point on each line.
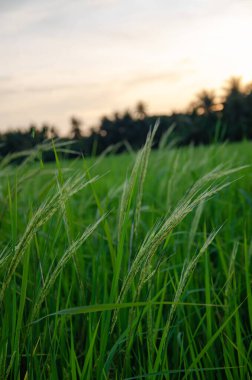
[205, 121]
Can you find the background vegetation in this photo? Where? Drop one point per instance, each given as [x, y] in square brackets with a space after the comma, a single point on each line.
[208, 119]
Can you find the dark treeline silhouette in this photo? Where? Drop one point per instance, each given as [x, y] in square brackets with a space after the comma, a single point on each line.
[206, 121]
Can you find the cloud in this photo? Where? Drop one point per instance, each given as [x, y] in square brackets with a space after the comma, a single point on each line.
[183, 68]
[149, 78]
[43, 89]
[53, 88]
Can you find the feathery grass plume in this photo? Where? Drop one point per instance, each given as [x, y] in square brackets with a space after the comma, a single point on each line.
[188, 268]
[4, 256]
[139, 169]
[194, 226]
[164, 143]
[199, 193]
[142, 174]
[127, 194]
[110, 149]
[31, 154]
[52, 276]
[100, 208]
[187, 271]
[41, 216]
[137, 176]
[130, 188]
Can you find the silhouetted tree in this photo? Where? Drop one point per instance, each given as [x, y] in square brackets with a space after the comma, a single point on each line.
[141, 110]
[75, 128]
[234, 110]
[205, 103]
[200, 124]
[53, 133]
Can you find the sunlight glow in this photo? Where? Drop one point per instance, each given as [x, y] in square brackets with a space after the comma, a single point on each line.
[93, 58]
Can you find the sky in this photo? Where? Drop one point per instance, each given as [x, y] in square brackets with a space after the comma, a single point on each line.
[91, 58]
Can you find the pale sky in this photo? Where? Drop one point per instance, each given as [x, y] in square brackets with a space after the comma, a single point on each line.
[90, 58]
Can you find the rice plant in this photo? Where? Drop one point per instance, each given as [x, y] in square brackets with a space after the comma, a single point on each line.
[133, 266]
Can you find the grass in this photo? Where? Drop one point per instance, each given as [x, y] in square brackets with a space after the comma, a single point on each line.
[135, 266]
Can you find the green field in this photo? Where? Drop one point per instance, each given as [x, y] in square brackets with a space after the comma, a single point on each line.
[135, 266]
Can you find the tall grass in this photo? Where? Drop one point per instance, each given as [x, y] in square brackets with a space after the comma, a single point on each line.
[127, 267]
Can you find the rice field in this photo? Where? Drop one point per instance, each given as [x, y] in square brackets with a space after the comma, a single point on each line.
[131, 266]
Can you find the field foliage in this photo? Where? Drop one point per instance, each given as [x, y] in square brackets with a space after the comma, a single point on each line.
[129, 266]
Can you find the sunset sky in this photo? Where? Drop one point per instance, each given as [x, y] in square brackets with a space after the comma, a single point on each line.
[89, 58]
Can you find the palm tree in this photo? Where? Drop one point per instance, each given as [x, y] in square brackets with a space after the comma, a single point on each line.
[205, 102]
[141, 110]
[234, 111]
[234, 86]
[76, 128]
